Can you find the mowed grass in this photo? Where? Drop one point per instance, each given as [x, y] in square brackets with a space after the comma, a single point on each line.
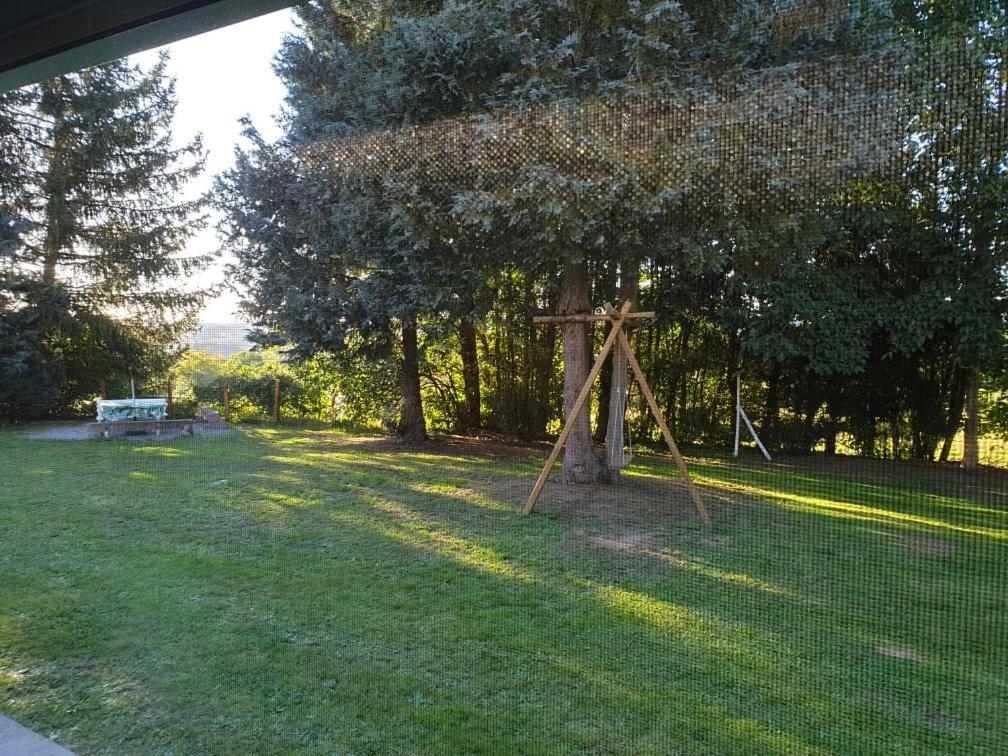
[298, 590]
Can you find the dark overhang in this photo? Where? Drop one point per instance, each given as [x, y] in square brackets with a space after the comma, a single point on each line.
[40, 39]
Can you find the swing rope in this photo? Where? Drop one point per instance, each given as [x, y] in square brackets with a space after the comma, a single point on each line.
[626, 424]
[622, 387]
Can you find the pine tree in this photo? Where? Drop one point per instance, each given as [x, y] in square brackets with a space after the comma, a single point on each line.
[106, 219]
[329, 258]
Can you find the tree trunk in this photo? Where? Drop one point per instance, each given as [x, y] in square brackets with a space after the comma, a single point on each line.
[896, 426]
[412, 426]
[544, 382]
[957, 401]
[471, 419]
[971, 436]
[771, 412]
[581, 464]
[620, 383]
[811, 410]
[831, 438]
[50, 262]
[55, 209]
[733, 364]
[678, 411]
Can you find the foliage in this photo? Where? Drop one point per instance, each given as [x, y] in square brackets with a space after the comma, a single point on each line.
[30, 375]
[856, 303]
[97, 195]
[331, 388]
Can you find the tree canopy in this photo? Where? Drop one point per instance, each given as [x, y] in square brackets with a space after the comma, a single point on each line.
[808, 190]
[95, 278]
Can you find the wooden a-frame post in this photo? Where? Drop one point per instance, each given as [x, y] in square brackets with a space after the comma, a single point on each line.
[616, 335]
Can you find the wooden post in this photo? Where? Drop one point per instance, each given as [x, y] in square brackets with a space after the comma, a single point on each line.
[588, 317]
[227, 402]
[168, 412]
[572, 416]
[276, 400]
[101, 389]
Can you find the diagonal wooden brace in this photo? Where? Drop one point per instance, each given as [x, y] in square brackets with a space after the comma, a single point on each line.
[660, 419]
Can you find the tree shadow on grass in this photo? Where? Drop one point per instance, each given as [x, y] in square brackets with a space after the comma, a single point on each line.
[967, 499]
[484, 522]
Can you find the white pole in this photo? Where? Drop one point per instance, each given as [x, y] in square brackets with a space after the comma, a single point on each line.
[738, 409]
[756, 438]
[133, 389]
[740, 415]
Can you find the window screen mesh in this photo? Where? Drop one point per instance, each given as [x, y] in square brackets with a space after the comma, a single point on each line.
[774, 518]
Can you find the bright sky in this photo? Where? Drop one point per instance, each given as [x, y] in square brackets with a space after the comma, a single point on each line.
[221, 76]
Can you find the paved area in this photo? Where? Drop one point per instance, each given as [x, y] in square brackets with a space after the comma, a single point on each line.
[81, 432]
[16, 740]
[59, 432]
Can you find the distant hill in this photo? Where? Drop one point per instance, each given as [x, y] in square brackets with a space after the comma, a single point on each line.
[223, 339]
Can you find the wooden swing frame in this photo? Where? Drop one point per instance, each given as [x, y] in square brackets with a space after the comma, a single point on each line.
[616, 336]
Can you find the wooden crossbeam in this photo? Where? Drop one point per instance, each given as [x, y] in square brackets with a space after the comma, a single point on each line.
[588, 317]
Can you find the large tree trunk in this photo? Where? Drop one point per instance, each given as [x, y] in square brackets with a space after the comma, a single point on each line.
[471, 418]
[811, 411]
[412, 426]
[971, 435]
[581, 464]
[831, 437]
[50, 261]
[620, 383]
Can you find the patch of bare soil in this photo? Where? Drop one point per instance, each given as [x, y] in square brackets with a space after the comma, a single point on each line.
[895, 652]
[629, 541]
[61, 432]
[493, 446]
[929, 546]
[82, 432]
[646, 548]
[628, 502]
[624, 542]
[208, 431]
[936, 716]
[89, 664]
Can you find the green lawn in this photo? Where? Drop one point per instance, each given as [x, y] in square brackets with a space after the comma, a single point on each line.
[298, 590]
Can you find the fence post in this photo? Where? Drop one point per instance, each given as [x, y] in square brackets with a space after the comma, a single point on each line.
[276, 400]
[227, 402]
[168, 411]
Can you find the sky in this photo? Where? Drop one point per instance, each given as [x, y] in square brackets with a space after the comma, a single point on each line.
[221, 76]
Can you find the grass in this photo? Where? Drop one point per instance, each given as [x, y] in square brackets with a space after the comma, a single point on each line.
[293, 590]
